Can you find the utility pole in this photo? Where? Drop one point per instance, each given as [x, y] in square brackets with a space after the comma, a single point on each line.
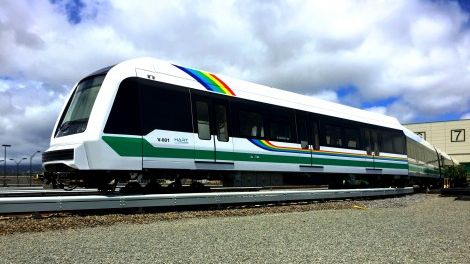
[18, 170]
[5, 165]
[31, 166]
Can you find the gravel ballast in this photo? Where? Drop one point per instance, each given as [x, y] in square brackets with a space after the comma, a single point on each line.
[418, 228]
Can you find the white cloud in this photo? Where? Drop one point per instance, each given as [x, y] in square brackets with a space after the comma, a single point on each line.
[327, 95]
[465, 116]
[413, 50]
[27, 115]
[378, 109]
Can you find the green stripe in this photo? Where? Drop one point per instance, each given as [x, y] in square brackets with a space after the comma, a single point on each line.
[134, 147]
[421, 169]
[125, 146]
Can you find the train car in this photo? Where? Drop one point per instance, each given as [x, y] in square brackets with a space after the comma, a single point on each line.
[425, 162]
[156, 120]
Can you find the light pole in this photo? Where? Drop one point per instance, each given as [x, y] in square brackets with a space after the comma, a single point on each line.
[31, 166]
[5, 165]
[18, 170]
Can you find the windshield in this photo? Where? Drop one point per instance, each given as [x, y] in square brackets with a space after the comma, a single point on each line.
[79, 107]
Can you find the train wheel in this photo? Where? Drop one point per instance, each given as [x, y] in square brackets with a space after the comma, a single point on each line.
[107, 186]
[131, 188]
[176, 186]
[198, 187]
[153, 187]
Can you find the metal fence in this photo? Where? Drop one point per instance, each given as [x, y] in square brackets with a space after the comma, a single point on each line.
[20, 180]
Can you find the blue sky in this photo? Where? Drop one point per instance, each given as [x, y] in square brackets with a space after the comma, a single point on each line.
[72, 9]
[406, 58]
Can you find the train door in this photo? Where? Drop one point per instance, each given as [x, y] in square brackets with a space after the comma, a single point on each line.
[166, 125]
[372, 146]
[309, 139]
[305, 140]
[315, 140]
[212, 141]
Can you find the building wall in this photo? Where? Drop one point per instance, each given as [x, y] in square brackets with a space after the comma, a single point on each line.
[452, 137]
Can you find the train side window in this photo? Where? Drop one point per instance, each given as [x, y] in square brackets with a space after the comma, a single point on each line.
[411, 149]
[351, 138]
[165, 107]
[303, 132]
[398, 143]
[203, 124]
[251, 124]
[222, 126]
[416, 152]
[367, 141]
[374, 142]
[279, 130]
[316, 137]
[124, 117]
[333, 136]
[386, 141]
[420, 155]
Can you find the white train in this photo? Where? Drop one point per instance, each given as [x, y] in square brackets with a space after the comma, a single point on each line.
[159, 120]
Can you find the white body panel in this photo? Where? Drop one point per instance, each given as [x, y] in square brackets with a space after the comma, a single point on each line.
[92, 153]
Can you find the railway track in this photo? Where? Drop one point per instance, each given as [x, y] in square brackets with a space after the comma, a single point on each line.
[39, 191]
[61, 203]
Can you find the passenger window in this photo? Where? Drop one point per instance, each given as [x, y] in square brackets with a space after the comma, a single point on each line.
[316, 138]
[351, 138]
[333, 136]
[280, 130]
[303, 133]
[386, 142]
[367, 142]
[203, 125]
[251, 124]
[375, 142]
[398, 144]
[125, 113]
[222, 126]
[165, 107]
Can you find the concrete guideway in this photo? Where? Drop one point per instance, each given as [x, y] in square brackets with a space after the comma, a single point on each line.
[94, 202]
[40, 189]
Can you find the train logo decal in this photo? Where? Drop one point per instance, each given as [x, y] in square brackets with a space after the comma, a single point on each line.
[210, 81]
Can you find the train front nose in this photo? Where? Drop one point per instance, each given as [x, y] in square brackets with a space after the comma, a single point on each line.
[65, 159]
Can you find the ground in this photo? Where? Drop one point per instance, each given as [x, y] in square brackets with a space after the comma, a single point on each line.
[420, 229]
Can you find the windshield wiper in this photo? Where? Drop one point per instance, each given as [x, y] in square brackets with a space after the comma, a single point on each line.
[64, 126]
[67, 124]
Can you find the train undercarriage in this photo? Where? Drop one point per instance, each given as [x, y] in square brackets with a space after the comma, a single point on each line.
[177, 181]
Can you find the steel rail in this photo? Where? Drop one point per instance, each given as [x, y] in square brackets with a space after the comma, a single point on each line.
[45, 192]
[96, 202]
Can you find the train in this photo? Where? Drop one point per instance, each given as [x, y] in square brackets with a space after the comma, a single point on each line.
[145, 119]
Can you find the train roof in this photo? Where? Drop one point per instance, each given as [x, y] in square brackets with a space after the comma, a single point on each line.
[242, 89]
[172, 73]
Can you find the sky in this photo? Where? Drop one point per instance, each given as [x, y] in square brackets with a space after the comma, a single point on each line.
[406, 58]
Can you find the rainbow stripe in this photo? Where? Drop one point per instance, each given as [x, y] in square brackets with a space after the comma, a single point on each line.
[266, 145]
[208, 80]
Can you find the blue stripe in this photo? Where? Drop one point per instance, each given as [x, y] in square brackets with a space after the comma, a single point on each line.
[257, 143]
